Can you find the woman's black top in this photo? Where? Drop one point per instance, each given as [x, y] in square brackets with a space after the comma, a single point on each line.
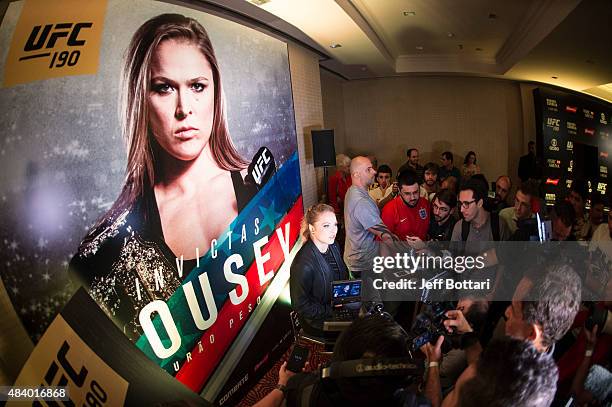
[310, 285]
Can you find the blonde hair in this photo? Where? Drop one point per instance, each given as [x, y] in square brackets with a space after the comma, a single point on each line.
[142, 167]
[311, 216]
[343, 160]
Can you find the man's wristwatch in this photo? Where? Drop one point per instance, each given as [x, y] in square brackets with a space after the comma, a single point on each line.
[282, 388]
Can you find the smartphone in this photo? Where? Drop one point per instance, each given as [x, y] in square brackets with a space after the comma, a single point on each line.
[298, 358]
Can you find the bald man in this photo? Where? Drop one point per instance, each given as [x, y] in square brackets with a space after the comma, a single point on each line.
[503, 185]
[362, 219]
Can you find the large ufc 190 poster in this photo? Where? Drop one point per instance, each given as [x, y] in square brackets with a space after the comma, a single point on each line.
[149, 154]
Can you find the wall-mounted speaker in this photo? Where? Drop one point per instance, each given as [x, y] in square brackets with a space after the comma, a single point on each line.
[323, 149]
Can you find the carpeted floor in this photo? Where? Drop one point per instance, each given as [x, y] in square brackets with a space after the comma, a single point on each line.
[316, 358]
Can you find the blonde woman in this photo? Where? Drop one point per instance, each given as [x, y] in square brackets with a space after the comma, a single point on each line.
[316, 265]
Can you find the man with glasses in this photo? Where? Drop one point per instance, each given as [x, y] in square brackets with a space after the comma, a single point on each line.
[408, 214]
[478, 230]
[478, 224]
[441, 223]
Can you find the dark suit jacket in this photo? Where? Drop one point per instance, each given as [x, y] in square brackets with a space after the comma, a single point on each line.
[528, 168]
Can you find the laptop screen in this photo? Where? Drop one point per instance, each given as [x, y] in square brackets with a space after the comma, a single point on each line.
[346, 290]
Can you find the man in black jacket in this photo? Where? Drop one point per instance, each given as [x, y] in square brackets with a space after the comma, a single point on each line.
[528, 164]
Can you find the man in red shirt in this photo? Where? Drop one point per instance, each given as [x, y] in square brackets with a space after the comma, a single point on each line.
[407, 214]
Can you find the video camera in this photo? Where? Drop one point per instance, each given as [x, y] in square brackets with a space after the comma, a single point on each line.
[429, 326]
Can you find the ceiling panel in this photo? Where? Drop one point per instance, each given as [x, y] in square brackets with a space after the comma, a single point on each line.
[527, 40]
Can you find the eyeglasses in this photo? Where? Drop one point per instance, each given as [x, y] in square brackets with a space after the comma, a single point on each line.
[466, 204]
[440, 208]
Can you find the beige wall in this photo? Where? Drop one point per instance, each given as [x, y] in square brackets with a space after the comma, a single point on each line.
[529, 121]
[333, 107]
[387, 116]
[307, 102]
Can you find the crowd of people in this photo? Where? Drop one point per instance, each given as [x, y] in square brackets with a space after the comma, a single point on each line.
[538, 348]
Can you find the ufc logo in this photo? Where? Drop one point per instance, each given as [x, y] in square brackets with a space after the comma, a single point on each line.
[258, 170]
[51, 33]
[69, 375]
[553, 122]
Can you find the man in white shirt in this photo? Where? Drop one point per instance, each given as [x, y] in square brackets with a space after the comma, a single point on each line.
[383, 190]
[522, 208]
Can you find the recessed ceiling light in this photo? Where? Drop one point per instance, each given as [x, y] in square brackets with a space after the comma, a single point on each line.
[555, 77]
[492, 16]
[419, 47]
[335, 45]
[450, 35]
[259, 2]
[409, 13]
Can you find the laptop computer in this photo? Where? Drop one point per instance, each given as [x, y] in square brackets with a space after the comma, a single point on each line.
[346, 300]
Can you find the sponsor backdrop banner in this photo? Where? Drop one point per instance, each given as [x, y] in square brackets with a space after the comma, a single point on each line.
[573, 140]
[63, 161]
